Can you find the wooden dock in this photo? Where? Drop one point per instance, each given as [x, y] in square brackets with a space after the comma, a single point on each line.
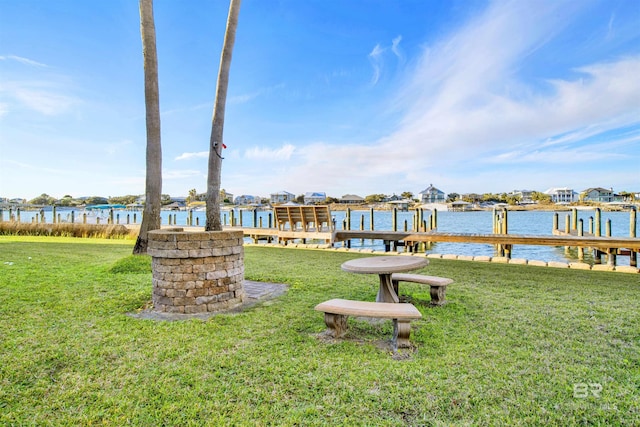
[315, 223]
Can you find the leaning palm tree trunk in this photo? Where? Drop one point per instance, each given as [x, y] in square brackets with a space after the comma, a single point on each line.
[153, 190]
[217, 125]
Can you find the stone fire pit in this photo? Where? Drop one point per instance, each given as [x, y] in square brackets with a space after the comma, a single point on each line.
[196, 272]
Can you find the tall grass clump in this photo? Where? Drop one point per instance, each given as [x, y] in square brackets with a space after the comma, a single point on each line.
[13, 228]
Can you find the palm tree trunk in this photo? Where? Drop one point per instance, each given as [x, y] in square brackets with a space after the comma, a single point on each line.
[153, 189]
[217, 124]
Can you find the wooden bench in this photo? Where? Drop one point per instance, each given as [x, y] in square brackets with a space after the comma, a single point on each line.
[336, 312]
[438, 285]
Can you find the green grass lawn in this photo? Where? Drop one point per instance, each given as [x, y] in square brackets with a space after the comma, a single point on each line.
[516, 345]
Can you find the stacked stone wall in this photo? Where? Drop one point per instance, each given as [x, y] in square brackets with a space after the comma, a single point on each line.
[196, 272]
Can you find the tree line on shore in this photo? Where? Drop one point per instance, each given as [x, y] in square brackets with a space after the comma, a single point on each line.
[70, 201]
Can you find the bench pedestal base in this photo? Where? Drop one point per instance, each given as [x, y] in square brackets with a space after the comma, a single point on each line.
[336, 324]
[438, 295]
[337, 328]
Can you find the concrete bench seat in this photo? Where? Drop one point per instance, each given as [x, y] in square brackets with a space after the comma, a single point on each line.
[438, 285]
[336, 312]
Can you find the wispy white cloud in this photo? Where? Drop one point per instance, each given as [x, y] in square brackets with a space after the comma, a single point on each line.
[466, 105]
[40, 96]
[247, 97]
[375, 57]
[23, 60]
[173, 174]
[196, 155]
[117, 147]
[395, 48]
[262, 153]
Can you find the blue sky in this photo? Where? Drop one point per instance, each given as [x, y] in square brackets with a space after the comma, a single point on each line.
[344, 97]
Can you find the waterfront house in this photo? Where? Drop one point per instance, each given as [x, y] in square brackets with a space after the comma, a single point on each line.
[281, 197]
[562, 195]
[525, 196]
[598, 195]
[352, 199]
[247, 199]
[401, 205]
[314, 198]
[432, 195]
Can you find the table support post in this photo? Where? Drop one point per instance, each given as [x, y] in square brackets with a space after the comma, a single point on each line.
[386, 292]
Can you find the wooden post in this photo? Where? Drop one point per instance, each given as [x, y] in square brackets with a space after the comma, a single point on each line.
[555, 222]
[240, 216]
[84, 218]
[597, 231]
[580, 233]
[118, 219]
[97, 220]
[110, 216]
[255, 219]
[17, 214]
[42, 219]
[574, 219]
[73, 217]
[567, 230]
[500, 227]
[1, 215]
[348, 219]
[598, 223]
[128, 218]
[506, 249]
[611, 252]
[633, 256]
[371, 227]
[232, 219]
[135, 218]
[394, 219]
[191, 217]
[53, 214]
[591, 225]
[197, 222]
[505, 222]
[434, 216]
[170, 219]
[270, 220]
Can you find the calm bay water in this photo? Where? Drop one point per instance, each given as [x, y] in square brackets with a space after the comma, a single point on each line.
[520, 222]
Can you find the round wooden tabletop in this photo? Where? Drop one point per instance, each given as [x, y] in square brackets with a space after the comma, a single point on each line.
[384, 264]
